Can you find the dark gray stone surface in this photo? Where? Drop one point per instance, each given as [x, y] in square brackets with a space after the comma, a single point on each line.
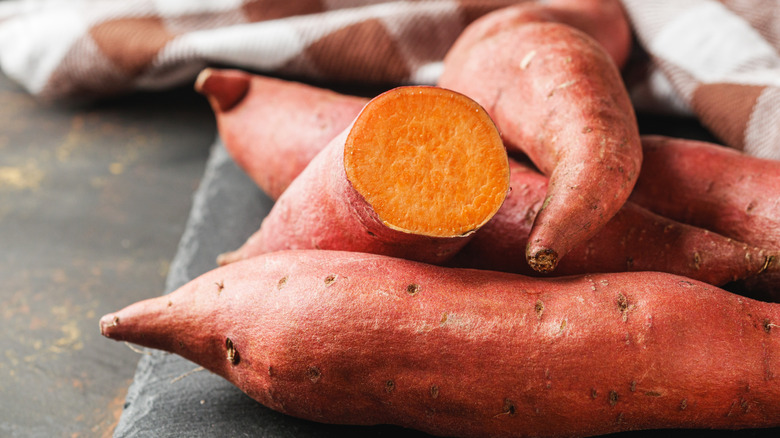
[93, 203]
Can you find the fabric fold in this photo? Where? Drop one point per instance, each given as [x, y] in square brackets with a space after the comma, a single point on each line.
[716, 60]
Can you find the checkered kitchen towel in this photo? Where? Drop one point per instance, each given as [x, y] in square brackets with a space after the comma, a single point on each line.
[58, 49]
[719, 60]
[716, 59]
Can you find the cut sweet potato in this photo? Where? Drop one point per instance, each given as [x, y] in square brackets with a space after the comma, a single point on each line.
[429, 162]
[634, 240]
[417, 172]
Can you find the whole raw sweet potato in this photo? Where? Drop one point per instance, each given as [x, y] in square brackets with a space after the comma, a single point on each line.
[413, 176]
[713, 187]
[355, 338]
[717, 188]
[634, 240]
[556, 95]
[256, 116]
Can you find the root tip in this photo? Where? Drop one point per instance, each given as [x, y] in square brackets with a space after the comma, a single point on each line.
[228, 257]
[544, 260]
[224, 88]
[106, 323]
[202, 79]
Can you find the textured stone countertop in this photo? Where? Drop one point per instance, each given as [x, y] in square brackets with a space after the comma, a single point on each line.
[93, 202]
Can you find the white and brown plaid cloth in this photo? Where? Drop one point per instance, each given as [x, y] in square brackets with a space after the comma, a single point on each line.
[718, 60]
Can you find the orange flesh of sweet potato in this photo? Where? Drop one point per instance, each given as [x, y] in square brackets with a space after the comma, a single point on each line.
[429, 145]
[418, 171]
[634, 240]
[557, 97]
[355, 338]
[272, 128]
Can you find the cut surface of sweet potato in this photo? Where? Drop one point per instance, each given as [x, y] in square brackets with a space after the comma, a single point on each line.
[428, 160]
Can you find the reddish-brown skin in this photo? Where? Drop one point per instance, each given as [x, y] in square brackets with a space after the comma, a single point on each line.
[272, 128]
[712, 187]
[634, 240]
[321, 208]
[603, 20]
[717, 188]
[495, 246]
[490, 250]
[556, 95]
[364, 339]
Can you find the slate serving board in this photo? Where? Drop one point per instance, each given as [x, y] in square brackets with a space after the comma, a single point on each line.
[172, 397]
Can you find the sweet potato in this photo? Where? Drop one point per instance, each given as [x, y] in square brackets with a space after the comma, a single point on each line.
[717, 188]
[341, 337]
[256, 114]
[415, 174]
[634, 240]
[556, 95]
[712, 187]
[603, 20]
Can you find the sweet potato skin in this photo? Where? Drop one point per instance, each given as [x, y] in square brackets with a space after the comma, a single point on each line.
[276, 127]
[732, 193]
[323, 209]
[364, 339]
[493, 246]
[603, 20]
[635, 239]
[557, 97]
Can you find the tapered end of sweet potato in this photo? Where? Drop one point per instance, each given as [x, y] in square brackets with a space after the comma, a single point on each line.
[543, 260]
[223, 88]
[229, 257]
[123, 325]
[141, 323]
[428, 160]
[107, 323]
[153, 323]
